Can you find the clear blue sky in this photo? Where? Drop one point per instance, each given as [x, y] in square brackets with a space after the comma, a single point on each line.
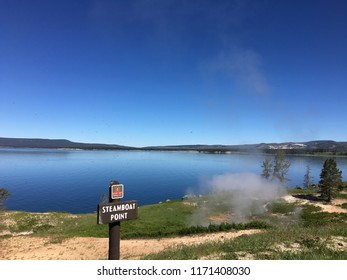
[155, 72]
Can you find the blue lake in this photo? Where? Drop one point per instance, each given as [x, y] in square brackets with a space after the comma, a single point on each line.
[43, 180]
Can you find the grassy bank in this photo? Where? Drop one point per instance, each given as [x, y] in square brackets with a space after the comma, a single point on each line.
[296, 243]
[290, 230]
[154, 221]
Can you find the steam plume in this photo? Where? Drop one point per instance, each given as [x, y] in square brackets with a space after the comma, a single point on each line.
[238, 196]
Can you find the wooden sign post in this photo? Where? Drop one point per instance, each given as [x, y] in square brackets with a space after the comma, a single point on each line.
[112, 213]
[113, 231]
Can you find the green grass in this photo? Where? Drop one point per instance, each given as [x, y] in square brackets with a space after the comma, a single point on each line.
[309, 239]
[341, 195]
[158, 220]
[153, 221]
[312, 244]
[54, 224]
[282, 207]
[312, 217]
[255, 224]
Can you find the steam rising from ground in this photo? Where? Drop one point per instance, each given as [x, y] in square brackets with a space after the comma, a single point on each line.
[235, 197]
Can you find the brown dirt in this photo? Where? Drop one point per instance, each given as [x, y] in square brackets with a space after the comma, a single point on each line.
[88, 248]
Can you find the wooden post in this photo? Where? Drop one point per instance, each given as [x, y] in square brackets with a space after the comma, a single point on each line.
[114, 232]
[113, 213]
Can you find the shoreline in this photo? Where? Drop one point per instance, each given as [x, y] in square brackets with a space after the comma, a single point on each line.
[200, 151]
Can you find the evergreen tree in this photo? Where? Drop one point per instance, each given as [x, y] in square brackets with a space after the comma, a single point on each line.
[331, 179]
[308, 177]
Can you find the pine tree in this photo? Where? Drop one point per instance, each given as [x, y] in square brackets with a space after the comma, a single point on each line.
[331, 179]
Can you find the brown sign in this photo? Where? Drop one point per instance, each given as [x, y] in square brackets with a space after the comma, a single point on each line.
[117, 191]
[117, 211]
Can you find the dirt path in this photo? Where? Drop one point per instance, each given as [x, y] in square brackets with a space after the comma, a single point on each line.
[88, 248]
[333, 207]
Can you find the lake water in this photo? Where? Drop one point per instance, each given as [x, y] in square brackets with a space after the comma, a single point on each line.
[43, 180]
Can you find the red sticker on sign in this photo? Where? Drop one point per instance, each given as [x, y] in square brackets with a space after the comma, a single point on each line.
[117, 191]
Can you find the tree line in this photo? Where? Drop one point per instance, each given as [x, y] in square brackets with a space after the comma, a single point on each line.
[330, 183]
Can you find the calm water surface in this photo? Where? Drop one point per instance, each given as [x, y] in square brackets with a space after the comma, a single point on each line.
[60, 180]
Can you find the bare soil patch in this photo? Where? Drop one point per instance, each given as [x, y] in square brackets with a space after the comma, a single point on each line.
[88, 248]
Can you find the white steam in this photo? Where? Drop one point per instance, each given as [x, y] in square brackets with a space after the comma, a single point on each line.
[236, 197]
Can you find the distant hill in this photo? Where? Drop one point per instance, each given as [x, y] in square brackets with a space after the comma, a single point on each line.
[55, 144]
[310, 147]
[319, 146]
